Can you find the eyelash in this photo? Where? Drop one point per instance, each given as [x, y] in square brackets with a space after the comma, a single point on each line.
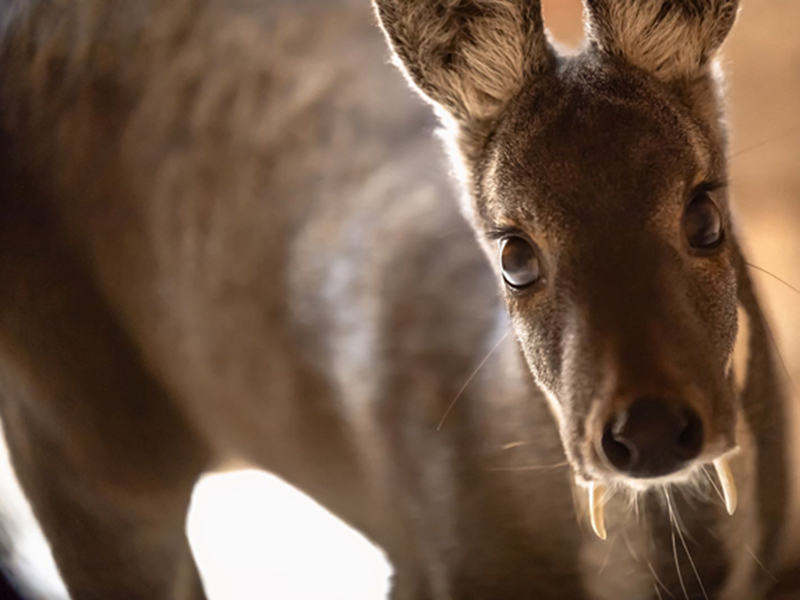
[706, 187]
[503, 232]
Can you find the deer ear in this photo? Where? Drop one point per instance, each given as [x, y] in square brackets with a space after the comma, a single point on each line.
[468, 56]
[672, 39]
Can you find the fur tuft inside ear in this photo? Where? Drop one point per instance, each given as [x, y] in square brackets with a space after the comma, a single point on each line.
[672, 39]
[469, 56]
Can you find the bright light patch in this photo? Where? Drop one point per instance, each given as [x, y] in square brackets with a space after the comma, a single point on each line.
[30, 556]
[256, 537]
[253, 536]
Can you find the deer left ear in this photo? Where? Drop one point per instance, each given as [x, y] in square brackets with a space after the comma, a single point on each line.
[671, 39]
[467, 56]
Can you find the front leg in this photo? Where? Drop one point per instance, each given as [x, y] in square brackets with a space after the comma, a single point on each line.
[111, 539]
[104, 457]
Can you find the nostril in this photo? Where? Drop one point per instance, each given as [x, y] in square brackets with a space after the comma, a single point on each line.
[690, 439]
[652, 437]
[619, 453]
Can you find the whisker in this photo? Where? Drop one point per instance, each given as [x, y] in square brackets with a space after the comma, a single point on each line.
[531, 467]
[658, 583]
[769, 329]
[511, 445]
[656, 578]
[683, 530]
[779, 353]
[775, 277]
[629, 546]
[674, 546]
[672, 510]
[759, 563]
[657, 591]
[608, 556]
[685, 548]
[578, 505]
[713, 483]
[689, 493]
[470, 378]
[677, 564]
[699, 484]
[787, 133]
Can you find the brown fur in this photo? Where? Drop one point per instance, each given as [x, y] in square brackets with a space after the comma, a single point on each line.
[671, 40]
[224, 233]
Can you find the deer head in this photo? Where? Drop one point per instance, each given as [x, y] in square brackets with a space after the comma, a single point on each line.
[596, 184]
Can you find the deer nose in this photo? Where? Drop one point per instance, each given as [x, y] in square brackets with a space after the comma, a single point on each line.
[652, 437]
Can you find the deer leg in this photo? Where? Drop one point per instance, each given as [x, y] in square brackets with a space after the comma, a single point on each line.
[106, 459]
[112, 537]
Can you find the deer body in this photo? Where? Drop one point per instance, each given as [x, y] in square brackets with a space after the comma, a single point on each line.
[225, 235]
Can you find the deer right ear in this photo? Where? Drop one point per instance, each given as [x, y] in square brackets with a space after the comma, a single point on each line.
[671, 39]
[468, 56]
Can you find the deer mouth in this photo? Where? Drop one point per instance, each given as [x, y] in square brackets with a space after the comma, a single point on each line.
[598, 493]
[635, 444]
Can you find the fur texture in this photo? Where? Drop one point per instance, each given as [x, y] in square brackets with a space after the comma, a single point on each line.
[471, 56]
[224, 231]
[672, 39]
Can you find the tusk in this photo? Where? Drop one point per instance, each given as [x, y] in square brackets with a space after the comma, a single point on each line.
[597, 509]
[728, 484]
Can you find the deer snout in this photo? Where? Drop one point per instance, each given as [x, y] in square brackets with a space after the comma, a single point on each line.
[652, 437]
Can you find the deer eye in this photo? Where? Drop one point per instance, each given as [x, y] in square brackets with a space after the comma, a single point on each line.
[519, 260]
[702, 223]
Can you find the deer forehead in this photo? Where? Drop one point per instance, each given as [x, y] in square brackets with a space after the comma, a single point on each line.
[594, 140]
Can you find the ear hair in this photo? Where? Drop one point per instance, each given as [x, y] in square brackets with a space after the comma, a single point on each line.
[468, 56]
[672, 39]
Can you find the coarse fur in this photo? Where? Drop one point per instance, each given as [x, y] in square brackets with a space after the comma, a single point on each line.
[670, 40]
[224, 233]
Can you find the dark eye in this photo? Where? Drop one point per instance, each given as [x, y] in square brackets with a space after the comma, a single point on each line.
[519, 261]
[702, 223]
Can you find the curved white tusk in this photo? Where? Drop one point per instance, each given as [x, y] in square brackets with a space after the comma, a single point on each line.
[597, 509]
[728, 484]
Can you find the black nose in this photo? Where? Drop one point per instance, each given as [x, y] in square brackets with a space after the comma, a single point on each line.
[652, 437]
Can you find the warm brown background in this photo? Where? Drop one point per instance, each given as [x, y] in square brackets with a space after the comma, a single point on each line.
[762, 60]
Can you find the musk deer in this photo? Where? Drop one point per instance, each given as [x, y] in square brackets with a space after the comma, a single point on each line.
[224, 233]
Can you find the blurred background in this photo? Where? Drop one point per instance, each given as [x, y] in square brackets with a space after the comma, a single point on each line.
[255, 537]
